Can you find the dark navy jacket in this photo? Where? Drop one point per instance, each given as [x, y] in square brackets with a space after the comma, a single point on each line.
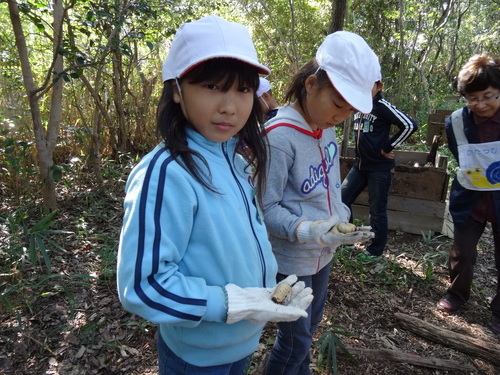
[462, 200]
[372, 134]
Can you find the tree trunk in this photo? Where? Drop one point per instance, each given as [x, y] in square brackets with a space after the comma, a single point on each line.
[142, 107]
[452, 60]
[95, 147]
[55, 103]
[118, 101]
[45, 141]
[402, 54]
[338, 15]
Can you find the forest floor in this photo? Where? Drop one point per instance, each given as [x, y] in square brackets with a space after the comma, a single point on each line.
[67, 323]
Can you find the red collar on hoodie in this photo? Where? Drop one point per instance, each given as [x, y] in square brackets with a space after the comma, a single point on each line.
[316, 134]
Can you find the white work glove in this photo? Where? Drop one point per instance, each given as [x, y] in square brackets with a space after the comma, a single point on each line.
[335, 240]
[256, 306]
[313, 231]
[320, 233]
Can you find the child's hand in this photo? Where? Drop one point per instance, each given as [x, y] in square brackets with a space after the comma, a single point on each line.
[313, 231]
[347, 233]
[256, 305]
[388, 155]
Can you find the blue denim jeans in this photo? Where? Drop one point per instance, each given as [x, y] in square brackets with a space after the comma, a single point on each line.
[170, 364]
[290, 354]
[379, 184]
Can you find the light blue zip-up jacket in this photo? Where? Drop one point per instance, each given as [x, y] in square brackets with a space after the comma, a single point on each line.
[181, 242]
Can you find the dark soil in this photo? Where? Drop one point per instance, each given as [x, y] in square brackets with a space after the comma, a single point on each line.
[70, 325]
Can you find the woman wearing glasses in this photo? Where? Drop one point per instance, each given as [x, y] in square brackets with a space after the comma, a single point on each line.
[474, 139]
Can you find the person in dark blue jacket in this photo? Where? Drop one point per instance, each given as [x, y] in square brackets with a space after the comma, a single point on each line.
[475, 192]
[374, 164]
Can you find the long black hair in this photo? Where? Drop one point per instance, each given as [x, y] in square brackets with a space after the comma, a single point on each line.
[172, 124]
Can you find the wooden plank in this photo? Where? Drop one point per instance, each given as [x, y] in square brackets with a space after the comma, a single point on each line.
[420, 182]
[410, 157]
[408, 222]
[428, 183]
[412, 205]
[400, 157]
[417, 198]
[441, 161]
[435, 124]
[406, 214]
[448, 227]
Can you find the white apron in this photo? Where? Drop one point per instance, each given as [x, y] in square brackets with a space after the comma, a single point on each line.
[479, 162]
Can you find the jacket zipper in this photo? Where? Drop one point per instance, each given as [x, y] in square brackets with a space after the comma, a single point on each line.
[327, 185]
[327, 181]
[249, 215]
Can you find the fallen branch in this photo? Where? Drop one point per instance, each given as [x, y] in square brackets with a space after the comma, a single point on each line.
[412, 359]
[470, 345]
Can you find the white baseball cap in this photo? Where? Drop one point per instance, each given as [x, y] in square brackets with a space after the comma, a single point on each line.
[208, 38]
[264, 86]
[352, 67]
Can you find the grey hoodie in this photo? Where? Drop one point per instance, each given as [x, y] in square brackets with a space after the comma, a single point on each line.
[297, 189]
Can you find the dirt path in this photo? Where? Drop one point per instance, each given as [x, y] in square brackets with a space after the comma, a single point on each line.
[73, 325]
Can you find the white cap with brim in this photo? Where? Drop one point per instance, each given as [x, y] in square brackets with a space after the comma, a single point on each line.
[352, 67]
[210, 37]
[264, 86]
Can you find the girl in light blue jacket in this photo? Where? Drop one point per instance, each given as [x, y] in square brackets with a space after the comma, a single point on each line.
[194, 255]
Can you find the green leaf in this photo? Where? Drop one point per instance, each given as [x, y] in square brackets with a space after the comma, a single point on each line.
[44, 223]
[57, 175]
[8, 142]
[43, 251]
[52, 242]
[12, 160]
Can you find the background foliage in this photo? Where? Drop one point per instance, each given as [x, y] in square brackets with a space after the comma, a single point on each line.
[113, 52]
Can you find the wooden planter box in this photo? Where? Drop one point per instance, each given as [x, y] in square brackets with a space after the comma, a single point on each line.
[417, 199]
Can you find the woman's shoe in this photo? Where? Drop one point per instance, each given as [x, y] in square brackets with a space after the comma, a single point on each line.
[449, 304]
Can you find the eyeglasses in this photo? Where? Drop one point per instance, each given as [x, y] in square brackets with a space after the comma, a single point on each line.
[486, 99]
